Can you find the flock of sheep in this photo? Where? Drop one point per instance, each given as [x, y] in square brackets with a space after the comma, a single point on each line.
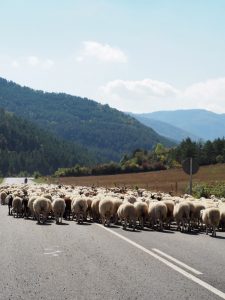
[133, 208]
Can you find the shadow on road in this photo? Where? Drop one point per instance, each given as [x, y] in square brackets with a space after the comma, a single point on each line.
[63, 223]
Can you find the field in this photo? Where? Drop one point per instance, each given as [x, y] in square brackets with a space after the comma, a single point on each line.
[174, 180]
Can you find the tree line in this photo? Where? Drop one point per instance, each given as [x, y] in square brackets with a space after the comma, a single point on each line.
[160, 158]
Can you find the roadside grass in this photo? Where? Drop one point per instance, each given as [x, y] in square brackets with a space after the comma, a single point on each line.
[40, 180]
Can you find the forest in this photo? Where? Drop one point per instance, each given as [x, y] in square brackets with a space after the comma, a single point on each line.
[160, 158]
[25, 149]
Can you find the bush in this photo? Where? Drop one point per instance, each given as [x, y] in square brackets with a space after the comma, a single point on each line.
[207, 190]
[36, 175]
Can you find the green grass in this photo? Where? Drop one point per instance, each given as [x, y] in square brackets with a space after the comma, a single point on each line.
[1, 180]
[208, 189]
[39, 180]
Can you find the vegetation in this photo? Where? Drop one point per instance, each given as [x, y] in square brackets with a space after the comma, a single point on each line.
[106, 132]
[205, 153]
[208, 189]
[25, 149]
[160, 158]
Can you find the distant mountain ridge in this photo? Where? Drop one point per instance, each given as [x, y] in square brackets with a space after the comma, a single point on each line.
[165, 129]
[106, 132]
[202, 124]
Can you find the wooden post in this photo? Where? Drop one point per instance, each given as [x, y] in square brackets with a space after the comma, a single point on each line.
[190, 192]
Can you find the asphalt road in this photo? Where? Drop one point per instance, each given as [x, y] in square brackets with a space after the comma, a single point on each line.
[73, 261]
[16, 180]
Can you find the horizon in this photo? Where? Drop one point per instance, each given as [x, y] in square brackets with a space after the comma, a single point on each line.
[126, 112]
[162, 61]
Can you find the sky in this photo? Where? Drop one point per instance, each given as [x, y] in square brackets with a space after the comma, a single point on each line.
[135, 55]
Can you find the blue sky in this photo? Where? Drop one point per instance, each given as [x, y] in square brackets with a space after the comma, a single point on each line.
[135, 55]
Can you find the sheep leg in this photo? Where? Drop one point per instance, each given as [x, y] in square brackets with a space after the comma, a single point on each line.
[134, 225]
[125, 224]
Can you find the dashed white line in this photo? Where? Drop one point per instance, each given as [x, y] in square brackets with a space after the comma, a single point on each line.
[177, 262]
[169, 264]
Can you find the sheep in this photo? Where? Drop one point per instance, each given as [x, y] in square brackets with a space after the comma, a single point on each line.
[58, 207]
[222, 217]
[3, 196]
[25, 206]
[211, 218]
[198, 206]
[131, 199]
[141, 212]
[106, 211]
[9, 200]
[157, 213]
[67, 211]
[170, 208]
[79, 209]
[181, 215]
[17, 206]
[31, 207]
[95, 209]
[116, 204]
[127, 213]
[42, 206]
[89, 212]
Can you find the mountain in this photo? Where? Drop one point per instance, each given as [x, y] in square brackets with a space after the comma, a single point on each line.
[165, 129]
[108, 133]
[202, 123]
[26, 148]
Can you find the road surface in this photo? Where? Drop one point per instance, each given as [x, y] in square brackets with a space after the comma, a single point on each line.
[89, 261]
[16, 180]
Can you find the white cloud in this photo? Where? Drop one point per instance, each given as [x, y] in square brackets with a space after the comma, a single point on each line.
[33, 61]
[15, 64]
[150, 95]
[79, 59]
[102, 52]
[48, 64]
[138, 95]
[209, 94]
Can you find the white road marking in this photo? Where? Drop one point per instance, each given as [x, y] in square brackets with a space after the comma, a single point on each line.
[169, 264]
[178, 262]
[54, 253]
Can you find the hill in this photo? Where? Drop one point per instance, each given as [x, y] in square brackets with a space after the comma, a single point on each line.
[107, 132]
[26, 148]
[165, 129]
[201, 123]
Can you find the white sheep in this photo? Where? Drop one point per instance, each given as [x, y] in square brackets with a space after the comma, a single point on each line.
[30, 206]
[170, 208]
[222, 216]
[3, 196]
[181, 215]
[42, 207]
[58, 207]
[127, 213]
[79, 209]
[211, 218]
[17, 206]
[95, 209]
[157, 213]
[141, 212]
[106, 210]
[116, 204]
